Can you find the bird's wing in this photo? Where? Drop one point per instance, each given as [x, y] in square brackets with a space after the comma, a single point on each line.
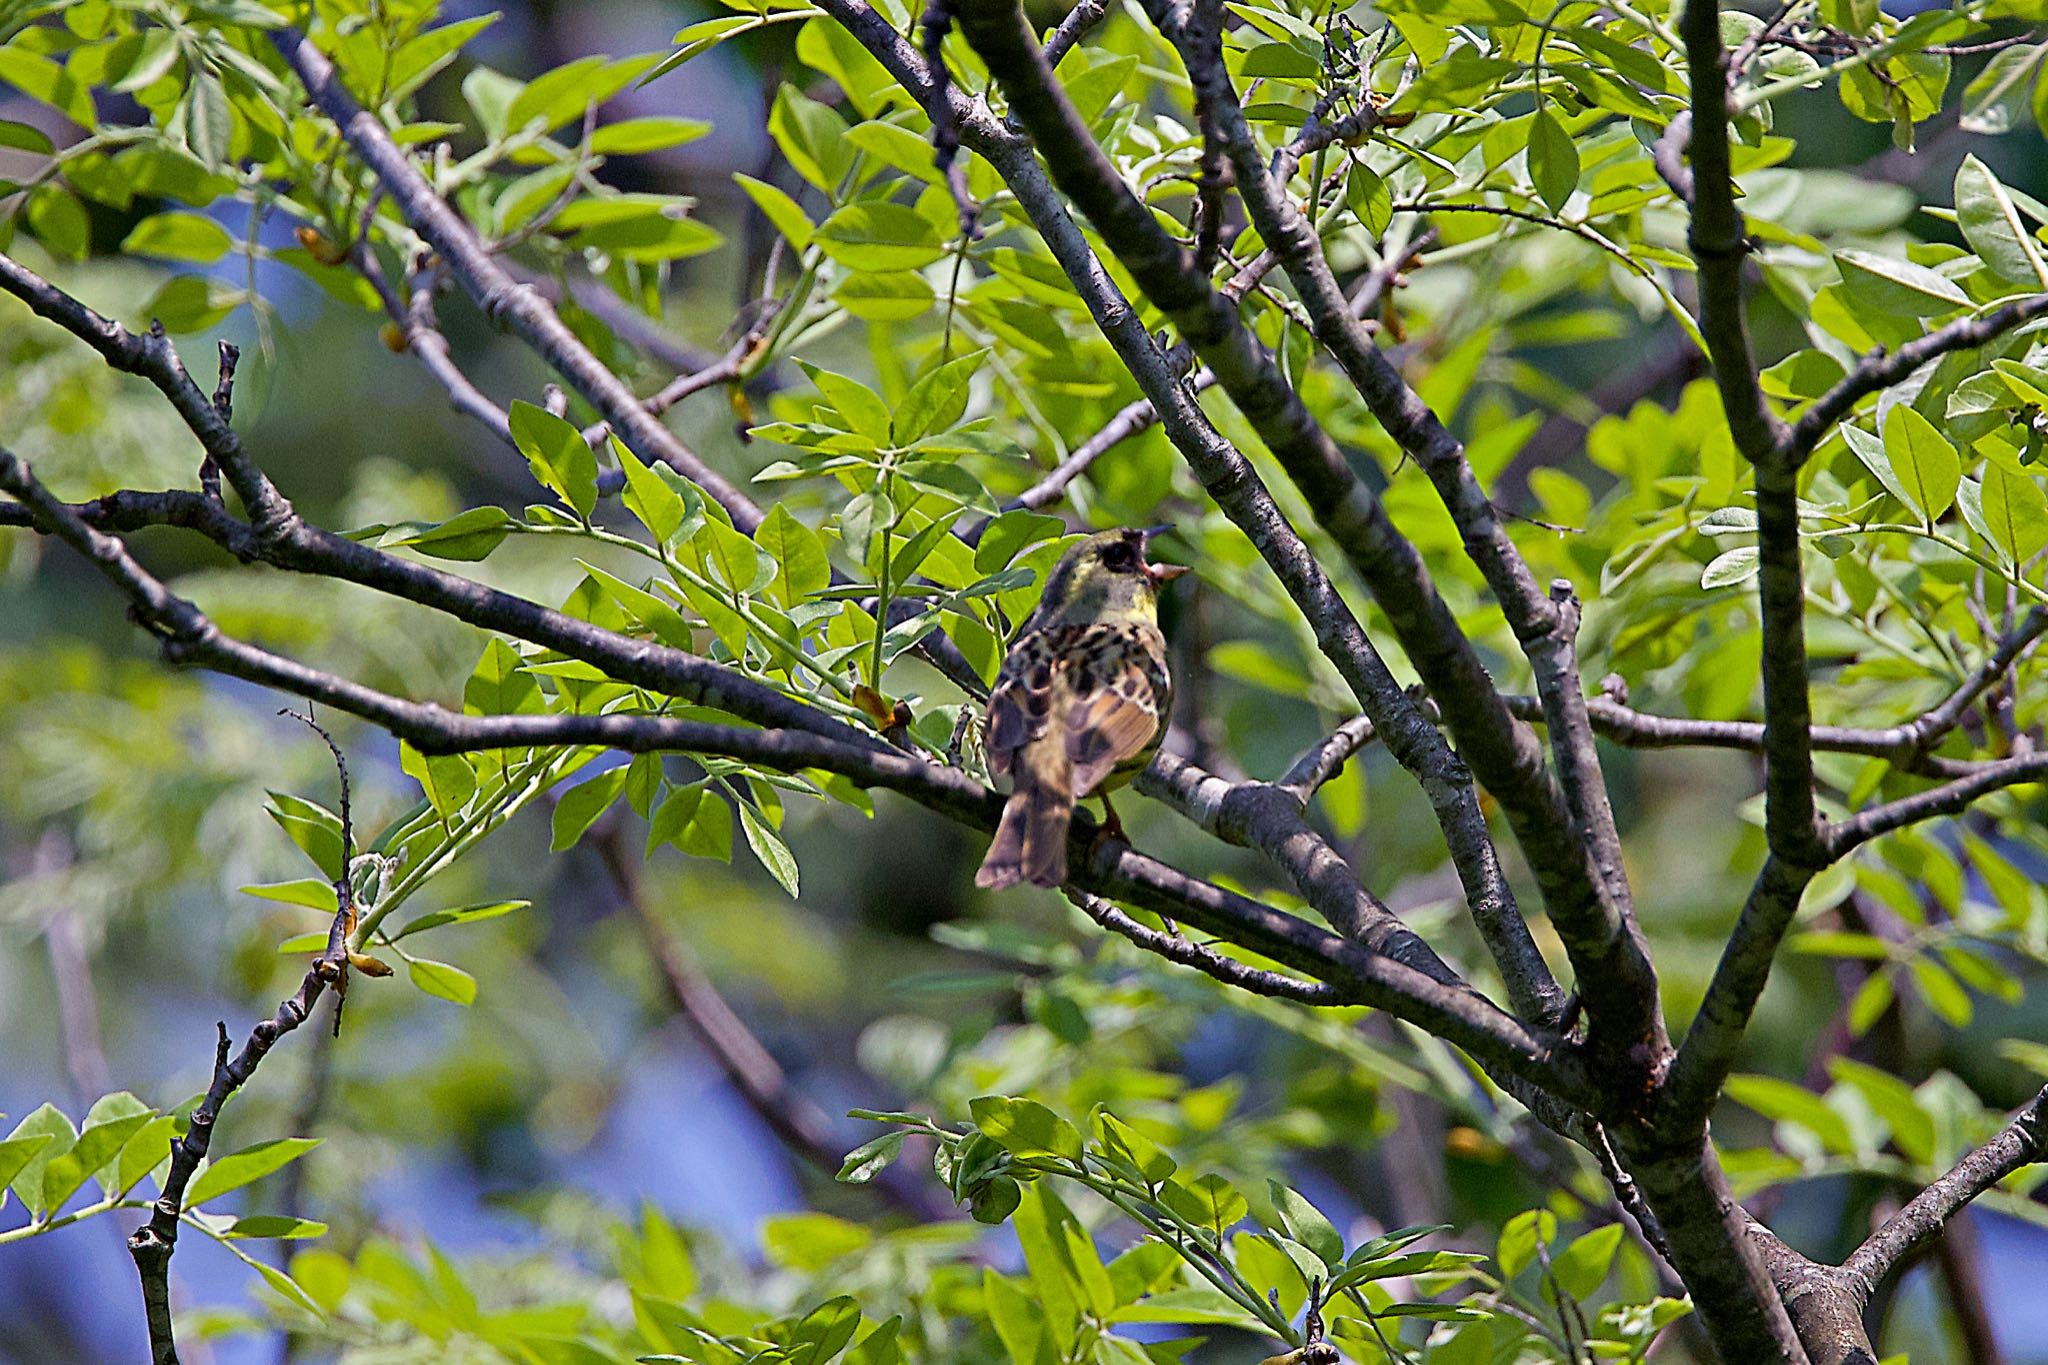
[1115, 681]
[1020, 707]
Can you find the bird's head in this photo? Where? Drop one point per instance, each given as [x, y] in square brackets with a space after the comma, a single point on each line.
[1106, 577]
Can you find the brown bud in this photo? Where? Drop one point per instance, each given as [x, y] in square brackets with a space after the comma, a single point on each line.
[394, 338]
[320, 246]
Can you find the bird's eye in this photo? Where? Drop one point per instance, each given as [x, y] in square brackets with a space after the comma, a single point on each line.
[1120, 558]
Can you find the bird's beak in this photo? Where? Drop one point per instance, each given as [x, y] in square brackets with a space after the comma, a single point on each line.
[1164, 573]
[1160, 574]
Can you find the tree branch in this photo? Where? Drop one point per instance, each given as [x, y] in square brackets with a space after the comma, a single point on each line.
[1881, 370]
[2021, 1142]
[152, 357]
[1265, 817]
[1720, 244]
[1177, 948]
[1906, 744]
[1950, 798]
[497, 293]
[1084, 16]
[1708, 1053]
[414, 317]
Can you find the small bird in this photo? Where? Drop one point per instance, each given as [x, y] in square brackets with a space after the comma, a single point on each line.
[1080, 704]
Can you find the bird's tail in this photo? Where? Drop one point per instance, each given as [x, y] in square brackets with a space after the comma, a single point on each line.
[1031, 839]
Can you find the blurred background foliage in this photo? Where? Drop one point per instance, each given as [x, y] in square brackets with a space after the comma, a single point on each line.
[533, 1176]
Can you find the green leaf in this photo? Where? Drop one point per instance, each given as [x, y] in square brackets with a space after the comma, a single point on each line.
[112, 1121]
[879, 236]
[243, 1167]
[1519, 1238]
[1553, 160]
[1870, 1002]
[207, 120]
[1731, 567]
[148, 1149]
[313, 827]
[1996, 99]
[16, 1152]
[658, 616]
[801, 567]
[278, 1226]
[1784, 1102]
[558, 455]
[629, 137]
[25, 137]
[861, 406]
[769, 848]
[1900, 288]
[467, 537]
[1581, 1268]
[554, 97]
[438, 978]
[310, 892]
[1991, 224]
[1026, 1128]
[461, 914]
[1366, 193]
[1004, 538]
[500, 686]
[879, 1347]
[1941, 992]
[582, 804]
[868, 1160]
[1122, 1140]
[2015, 512]
[1210, 1202]
[1305, 1223]
[778, 208]
[179, 236]
[935, 401]
[886, 296]
[1018, 1319]
[1892, 1100]
[824, 1332]
[812, 136]
[1927, 466]
[42, 79]
[994, 1200]
[447, 779]
[188, 303]
[649, 497]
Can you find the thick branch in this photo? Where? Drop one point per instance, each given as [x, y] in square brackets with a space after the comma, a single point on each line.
[1720, 245]
[1707, 1235]
[2021, 1142]
[1708, 1053]
[1266, 817]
